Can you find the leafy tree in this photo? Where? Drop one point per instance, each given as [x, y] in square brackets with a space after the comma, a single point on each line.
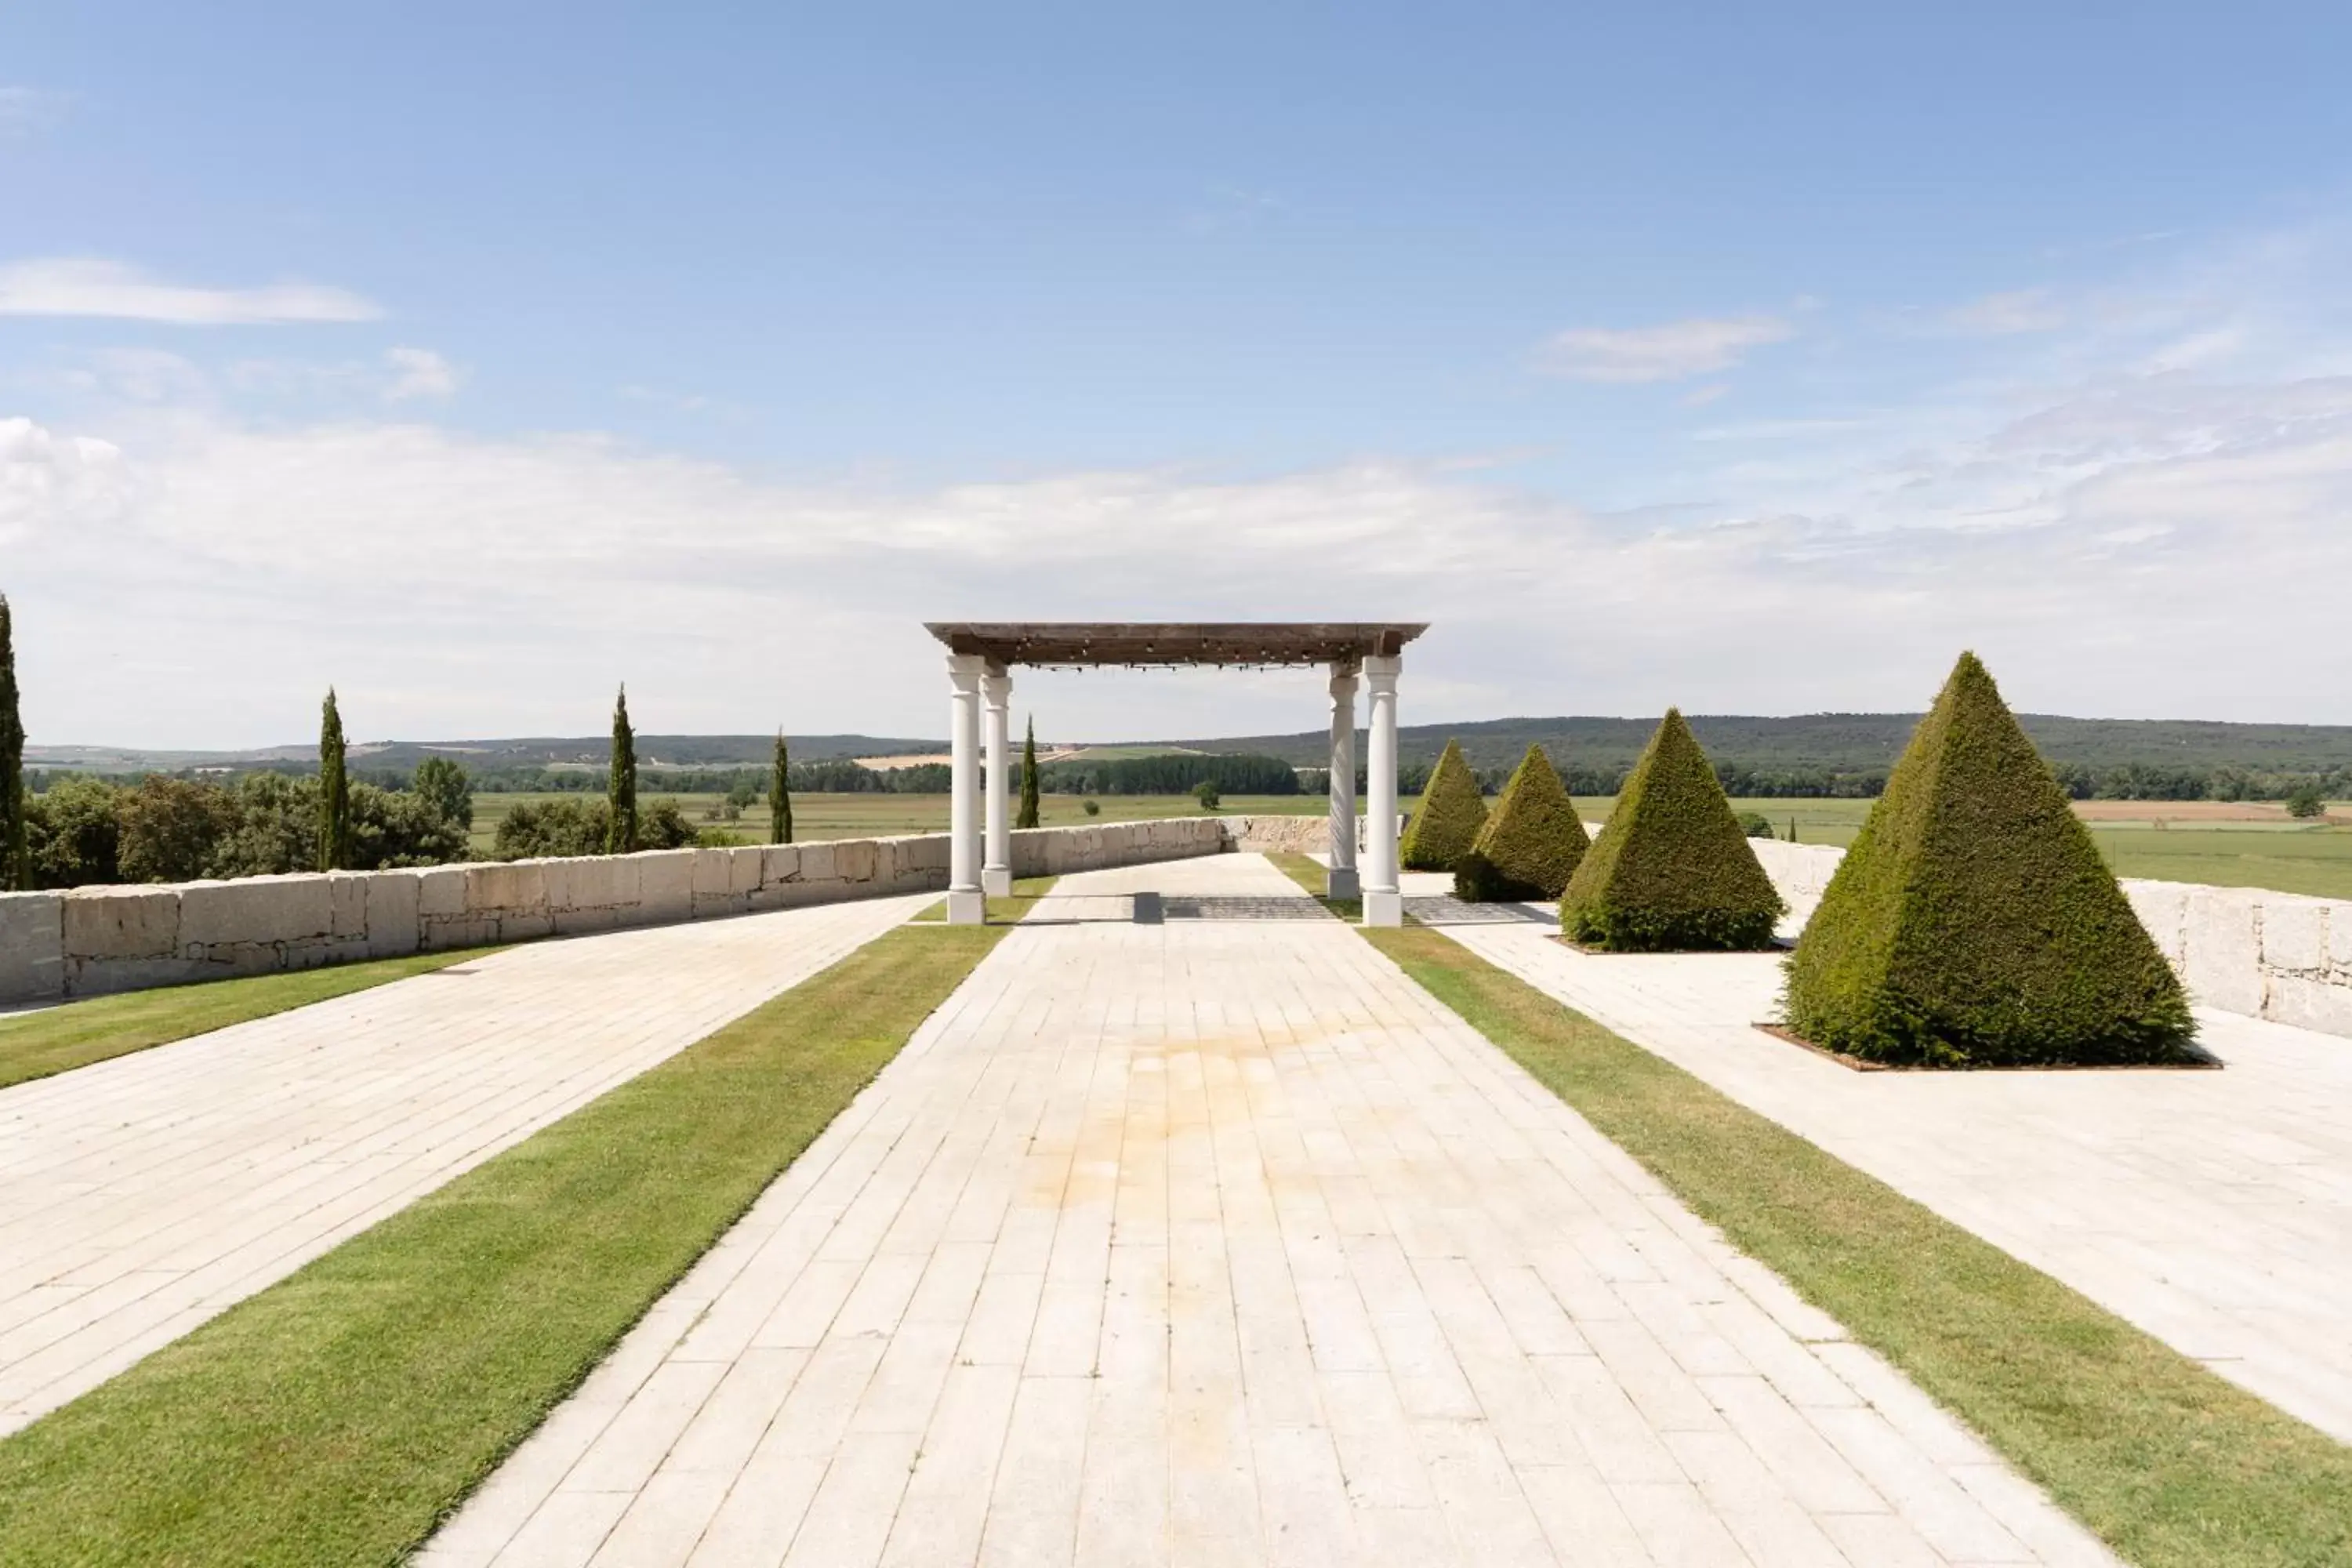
[170, 828]
[334, 790]
[1028, 816]
[443, 784]
[662, 825]
[2307, 801]
[1973, 923]
[72, 834]
[621, 791]
[779, 795]
[1756, 825]
[16, 864]
[1205, 792]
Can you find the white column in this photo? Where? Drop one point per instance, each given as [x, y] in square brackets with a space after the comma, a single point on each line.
[967, 906]
[1383, 903]
[997, 870]
[1340, 881]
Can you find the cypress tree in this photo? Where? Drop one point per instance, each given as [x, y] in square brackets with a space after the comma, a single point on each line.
[334, 790]
[1973, 923]
[621, 792]
[1028, 818]
[780, 795]
[15, 868]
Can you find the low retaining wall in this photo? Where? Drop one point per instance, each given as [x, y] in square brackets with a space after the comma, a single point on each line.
[1278, 834]
[88, 941]
[2279, 956]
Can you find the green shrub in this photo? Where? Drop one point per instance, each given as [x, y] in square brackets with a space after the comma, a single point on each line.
[1205, 792]
[445, 786]
[1973, 923]
[1446, 826]
[2307, 801]
[1755, 824]
[1531, 843]
[1671, 871]
[1092, 808]
[73, 836]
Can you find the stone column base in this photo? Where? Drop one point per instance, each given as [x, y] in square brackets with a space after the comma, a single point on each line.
[967, 906]
[1384, 908]
[1340, 883]
[996, 881]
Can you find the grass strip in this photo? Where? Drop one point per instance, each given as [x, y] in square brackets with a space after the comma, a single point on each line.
[76, 1033]
[1006, 911]
[338, 1416]
[1310, 874]
[2173, 1465]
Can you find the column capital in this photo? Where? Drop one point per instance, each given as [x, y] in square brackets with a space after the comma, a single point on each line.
[965, 669]
[1343, 683]
[1346, 669]
[1381, 671]
[996, 686]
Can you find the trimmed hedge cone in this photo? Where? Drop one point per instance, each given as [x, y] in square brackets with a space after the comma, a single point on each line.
[1973, 923]
[1531, 843]
[1672, 872]
[1446, 824]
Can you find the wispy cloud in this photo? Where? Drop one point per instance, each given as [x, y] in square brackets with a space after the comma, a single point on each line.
[91, 286]
[2002, 315]
[419, 373]
[1670, 352]
[29, 110]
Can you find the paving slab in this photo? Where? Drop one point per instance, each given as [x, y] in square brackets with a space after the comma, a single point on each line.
[2213, 1209]
[1217, 1240]
[141, 1196]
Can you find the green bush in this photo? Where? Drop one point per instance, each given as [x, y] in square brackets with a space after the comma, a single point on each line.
[1205, 792]
[1092, 808]
[2307, 801]
[1671, 871]
[1446, 824]
[1756, 825]
[1531, 843]
[1973, 923]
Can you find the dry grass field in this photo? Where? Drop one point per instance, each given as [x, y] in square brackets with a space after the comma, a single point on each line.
[2250, 845]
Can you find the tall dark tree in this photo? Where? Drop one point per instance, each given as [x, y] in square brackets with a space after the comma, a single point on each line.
[1028, 818]
[334, 790]
[780, 795]
[444, 785]
[16, 865]
[621, 832]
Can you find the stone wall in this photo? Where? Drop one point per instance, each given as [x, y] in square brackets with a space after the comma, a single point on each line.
[89, 941]
[1281, 835]
[2241, 950]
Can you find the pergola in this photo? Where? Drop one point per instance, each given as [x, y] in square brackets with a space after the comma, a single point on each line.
[980, 657]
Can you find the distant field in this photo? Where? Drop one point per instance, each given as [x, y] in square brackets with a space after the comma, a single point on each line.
[2270, 850]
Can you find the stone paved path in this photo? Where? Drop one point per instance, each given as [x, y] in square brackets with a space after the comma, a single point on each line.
[2213, 1209]
[141, 1196]
[1217, 1241]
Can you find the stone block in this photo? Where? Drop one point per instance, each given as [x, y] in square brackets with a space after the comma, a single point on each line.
[2294, 934]
[710, 872]
[32, 946]
[2221, 949]
[665, 887]
[2339, 938]
[108, 924]
[441, 893]
[255, 909]
[745, 868]
[779, 864]
[392, 899]
[516, 889]
[86, 976]
[2311, 1004]
[817, 862]
[347, 899]
[931, 850]
[2163, 909]
[853, 860]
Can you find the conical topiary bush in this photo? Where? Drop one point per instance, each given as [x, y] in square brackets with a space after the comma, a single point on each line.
[1532, 840]
[1448, 819]
[1672, 871]
[1973, 924]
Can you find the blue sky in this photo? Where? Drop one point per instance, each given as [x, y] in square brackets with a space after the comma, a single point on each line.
[474, 358]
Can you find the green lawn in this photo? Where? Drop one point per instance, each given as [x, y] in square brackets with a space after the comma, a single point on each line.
[74, 1034]
[2171, 1464]
[1007, 910]
[337, 1416]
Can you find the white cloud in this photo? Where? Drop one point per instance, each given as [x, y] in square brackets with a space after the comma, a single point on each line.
[30, 111]
[89, 286]
[1667, 352]
[2003, 315]
[420, 373]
